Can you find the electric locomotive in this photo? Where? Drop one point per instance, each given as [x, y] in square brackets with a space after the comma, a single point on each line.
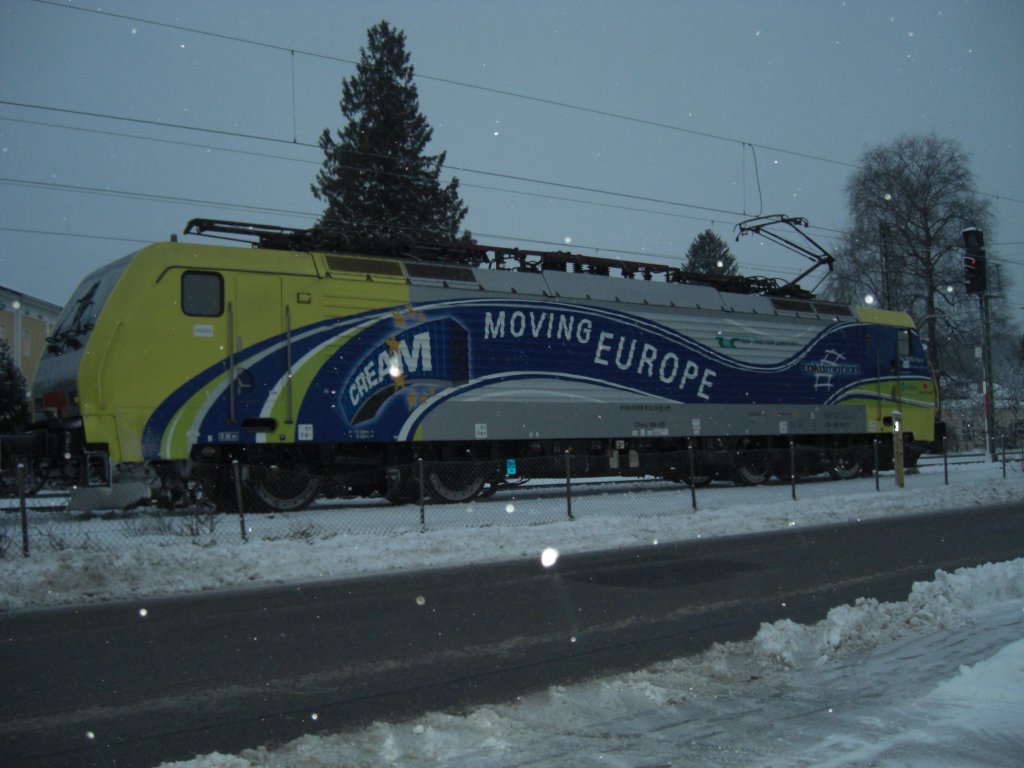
[348, 364]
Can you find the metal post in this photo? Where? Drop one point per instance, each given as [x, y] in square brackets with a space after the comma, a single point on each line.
[423, 501]
[878, 471]
[897, 447]
[237, 472]
[988, 388]
[693, 485]
[945, 459]
[568, 484]
[1002, 446]
[23, 508]
[792, 467]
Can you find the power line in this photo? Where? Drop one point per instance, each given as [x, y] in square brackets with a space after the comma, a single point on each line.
[834, 233]
[464, 84]
[447, 166]
[489, 89]
[144, 121]
[469, 185]
[173, 142]
[26, 231]
[448, 81]
[149, 196]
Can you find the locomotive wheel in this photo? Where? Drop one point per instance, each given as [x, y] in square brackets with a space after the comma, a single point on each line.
[846, 466]
[452, 483]
[751, 470]
[280, 489]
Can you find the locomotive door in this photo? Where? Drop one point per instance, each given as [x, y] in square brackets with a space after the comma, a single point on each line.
[256, 318]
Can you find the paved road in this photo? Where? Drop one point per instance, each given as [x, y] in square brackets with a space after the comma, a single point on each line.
[136, 683]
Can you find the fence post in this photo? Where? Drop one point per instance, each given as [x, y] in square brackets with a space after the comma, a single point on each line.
[692, 483]
[237, 472]
[945, 459]
[23, 508]
[878, 470]
[792, 466]
[1002, 445]
[423, 502]
[568, 484]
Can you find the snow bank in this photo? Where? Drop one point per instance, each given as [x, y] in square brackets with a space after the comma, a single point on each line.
[667, 714]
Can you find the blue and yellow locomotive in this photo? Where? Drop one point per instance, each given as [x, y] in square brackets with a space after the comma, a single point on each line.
[182, 358]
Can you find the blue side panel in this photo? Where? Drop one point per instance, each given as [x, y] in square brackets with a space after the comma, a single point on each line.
[389, 369]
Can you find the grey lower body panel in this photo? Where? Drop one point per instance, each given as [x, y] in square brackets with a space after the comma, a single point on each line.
[480, 421]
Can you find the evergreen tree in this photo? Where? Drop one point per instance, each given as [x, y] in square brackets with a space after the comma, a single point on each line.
[709, 255]
[376, 180]
[13, 392]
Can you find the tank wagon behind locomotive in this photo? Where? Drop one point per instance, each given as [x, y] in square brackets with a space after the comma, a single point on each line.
[182, 358]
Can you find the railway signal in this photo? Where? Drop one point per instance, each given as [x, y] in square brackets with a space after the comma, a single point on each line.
[975, 280]
[974, 260]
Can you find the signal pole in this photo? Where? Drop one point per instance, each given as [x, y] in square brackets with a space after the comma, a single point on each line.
[989, 385]
[976, 281]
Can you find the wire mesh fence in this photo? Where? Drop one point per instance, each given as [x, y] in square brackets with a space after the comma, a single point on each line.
[272, 503]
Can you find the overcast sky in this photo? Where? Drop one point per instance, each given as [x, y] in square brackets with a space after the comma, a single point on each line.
[628, 127]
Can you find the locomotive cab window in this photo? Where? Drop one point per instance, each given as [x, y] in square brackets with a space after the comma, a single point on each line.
[202, 294]
[903, 343]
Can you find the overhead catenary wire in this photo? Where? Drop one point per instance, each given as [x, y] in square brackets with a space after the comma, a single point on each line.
[738, 215]
[291, 51]
[490, 89]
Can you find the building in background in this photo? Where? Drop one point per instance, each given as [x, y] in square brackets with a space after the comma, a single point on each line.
[25, 322]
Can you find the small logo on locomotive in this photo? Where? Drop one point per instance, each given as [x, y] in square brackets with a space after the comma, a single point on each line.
[433, 353]
[832, 364]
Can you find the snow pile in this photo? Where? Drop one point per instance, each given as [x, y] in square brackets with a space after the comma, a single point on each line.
[943, 604]
[782, 696]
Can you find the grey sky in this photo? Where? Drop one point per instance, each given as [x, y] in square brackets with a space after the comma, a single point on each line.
[800, 88]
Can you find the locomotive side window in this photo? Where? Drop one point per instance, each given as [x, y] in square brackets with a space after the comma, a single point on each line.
[202, 294]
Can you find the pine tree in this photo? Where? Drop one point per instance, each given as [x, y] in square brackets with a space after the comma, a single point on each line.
[709, 255]
[376, 180]
[13, 392]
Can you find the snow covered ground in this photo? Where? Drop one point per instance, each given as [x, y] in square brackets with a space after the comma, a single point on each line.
[934, 681]
[76, 558]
